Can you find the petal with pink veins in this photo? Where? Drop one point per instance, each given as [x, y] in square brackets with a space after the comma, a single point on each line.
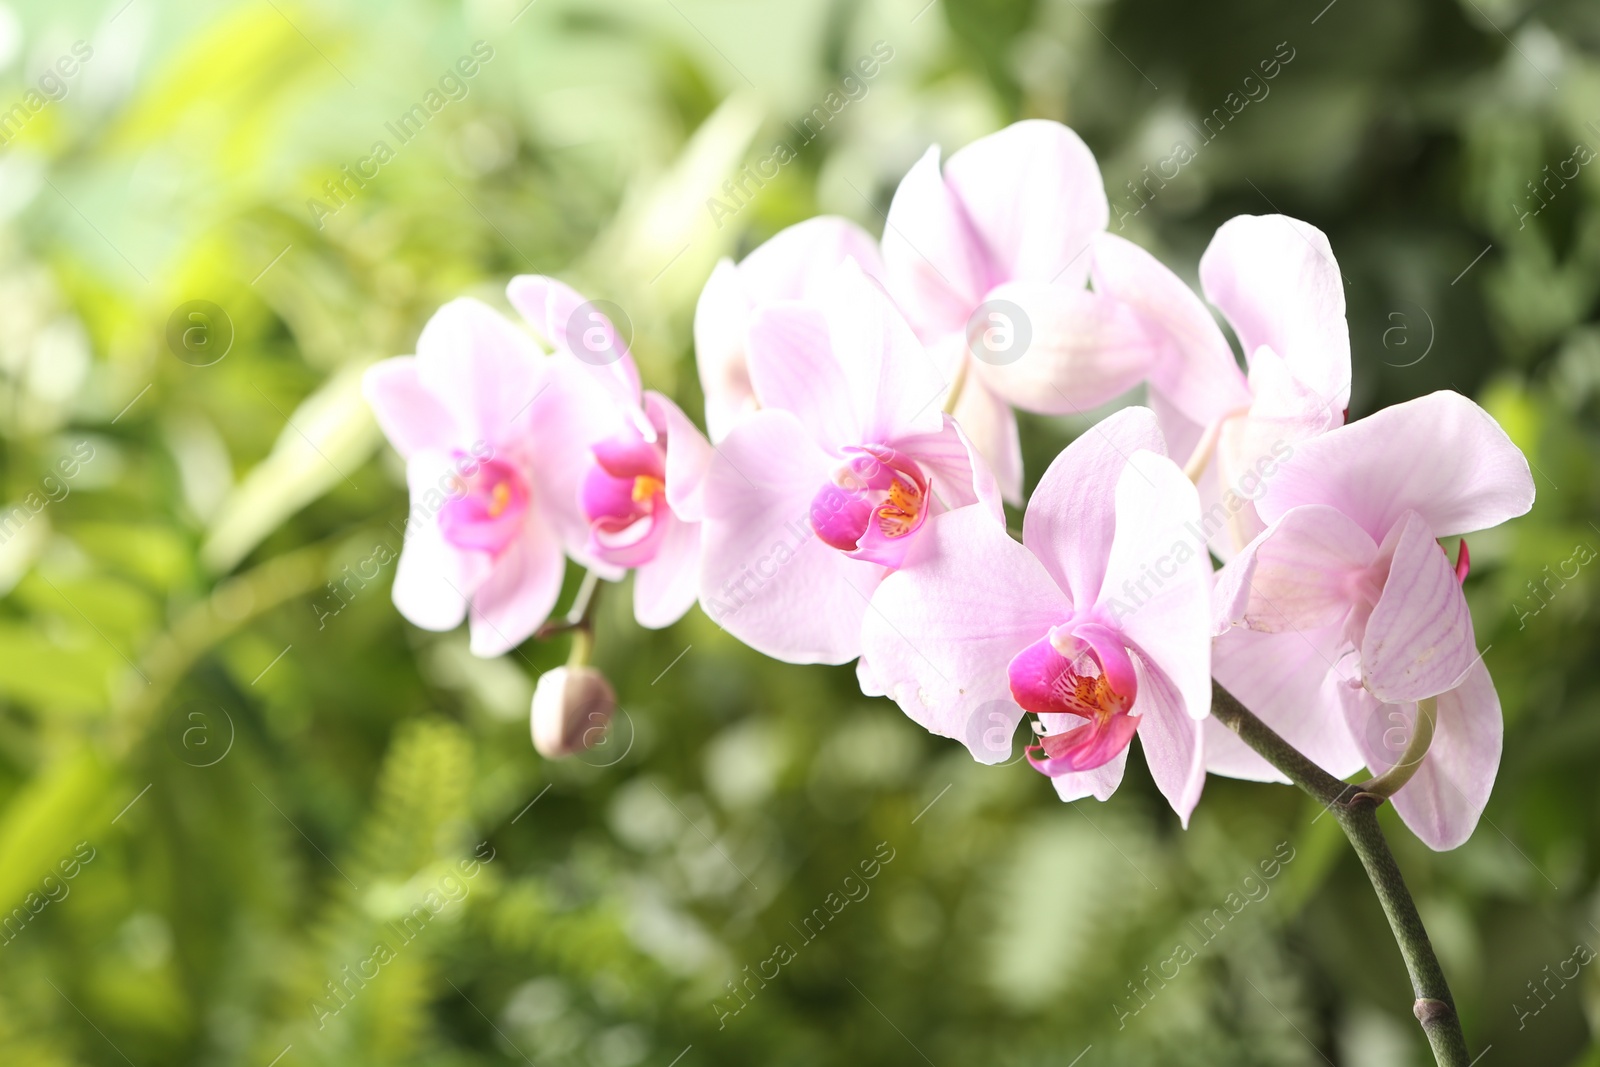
[572, 325]
[481, 368]
[433, 580]
[1082, 349]
[1034, 194]
[1251, 447]
[1440, 455]
[1285, 412]
[895, 384]
[1099, 783]
[1192, 367]
[721, 321]
[1277, 282]
[1157, 586]
[1071, 517]
[1306, 572]
[564, 422]
[765, 576]
[796, 262]
[990, 424]
[688, 456]
[1172, 737]
[666, 587]
[1445, 798]
[1289, 680]
[411, 417]
[933, 261]
[516, 597]
[944, 628]
[1418, 639]
[793, 368]
[1084, 747]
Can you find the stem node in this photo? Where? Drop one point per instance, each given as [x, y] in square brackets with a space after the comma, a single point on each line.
[1358, 818]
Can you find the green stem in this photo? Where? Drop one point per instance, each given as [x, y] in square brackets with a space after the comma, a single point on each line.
[1389, 782]
[1357, 812]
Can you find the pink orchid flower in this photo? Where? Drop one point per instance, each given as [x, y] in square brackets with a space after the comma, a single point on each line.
[793, 265]
[1276, 282]
[811, 500]
[1098, 621]
[630, 465]
[989, 262]
[471, 414]
[1346, 611]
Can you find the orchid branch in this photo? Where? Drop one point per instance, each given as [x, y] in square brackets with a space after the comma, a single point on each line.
[1356, 809]
[1389, 782]
[578, 621]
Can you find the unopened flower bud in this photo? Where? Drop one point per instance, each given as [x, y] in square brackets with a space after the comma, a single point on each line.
[572, 707]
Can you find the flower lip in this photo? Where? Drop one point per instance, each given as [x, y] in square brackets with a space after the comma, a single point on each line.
[487, 508]
[873, 505]
[624, 498]
[1079, 668]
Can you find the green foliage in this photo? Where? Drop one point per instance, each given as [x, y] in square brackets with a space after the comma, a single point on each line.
[270, 776]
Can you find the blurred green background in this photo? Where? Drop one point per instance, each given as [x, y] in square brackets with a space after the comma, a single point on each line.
[220, 785]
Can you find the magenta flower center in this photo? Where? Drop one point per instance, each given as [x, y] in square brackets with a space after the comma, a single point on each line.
[624, 498]
[1086, 672]
[873, 505]
[486, 507]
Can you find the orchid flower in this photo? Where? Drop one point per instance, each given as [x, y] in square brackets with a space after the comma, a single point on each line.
[811, 500]
[1276, 282]
[989, 262]
[472, 414]
[1345, 612]
[629, 465]
[792, 265]
[1098, 621]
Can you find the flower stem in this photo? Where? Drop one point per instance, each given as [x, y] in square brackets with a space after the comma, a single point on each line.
[1357, 812]
[1389, 782]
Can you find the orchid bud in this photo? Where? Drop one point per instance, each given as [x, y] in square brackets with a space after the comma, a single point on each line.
[572, 707]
